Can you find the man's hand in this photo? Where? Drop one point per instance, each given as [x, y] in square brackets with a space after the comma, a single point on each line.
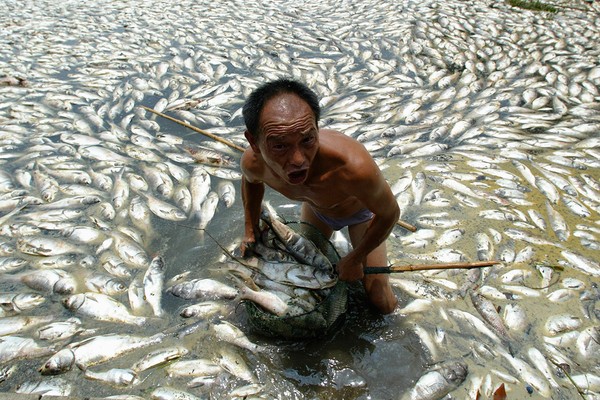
[350, 268]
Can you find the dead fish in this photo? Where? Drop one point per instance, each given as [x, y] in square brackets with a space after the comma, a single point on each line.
[168, 393]
[226, 191]
[159, 357]
[48, 280]
[120, 377]
[203, 289]
[96, 350]
[489, 313]
[62, 330]
[163, 209]
[557, 223]
[55, 387]
[230, 333]
[101, 307]
[581, 263]
[14, 348]
[48, 246]
[153, 284]
[439, 381]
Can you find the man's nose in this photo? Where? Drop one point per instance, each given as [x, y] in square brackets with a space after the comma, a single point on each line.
[298, 157]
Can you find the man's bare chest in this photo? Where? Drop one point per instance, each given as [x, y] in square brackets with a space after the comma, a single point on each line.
[324, 196]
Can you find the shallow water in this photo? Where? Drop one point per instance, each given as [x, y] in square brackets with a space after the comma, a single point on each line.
[377, 60]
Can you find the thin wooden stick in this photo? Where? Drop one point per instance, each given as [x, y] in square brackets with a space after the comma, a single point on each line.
[567, 375]
[406, 225]
[406, 268]
[192, 127]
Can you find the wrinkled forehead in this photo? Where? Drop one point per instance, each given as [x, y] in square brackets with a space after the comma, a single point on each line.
[284, 109]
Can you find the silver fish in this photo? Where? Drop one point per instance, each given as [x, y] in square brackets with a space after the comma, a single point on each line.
[49, 280]
[62, 330]
[233, 362]
[159, 181]
[15, 303]
[15, 347]
[438, 382]
[130, 251]
[581, 263]
[12, 264]
[136, 297]
[208, 209]
[120, 190]
[200, 184]
[182, 198]
[163, 209]
[557, 223]
[54, 387]
[159, 357]
[153, 282]
[269, 300]
[17, 324]
[204, 309]
[168, 393]
[515, 318]
[527, 373]
[96, 350]
[101, 307]
[105, 284]
[140, 215]
[226, 191]
[560, 323]
[116, 376]
[301, 248]
[488, 311]
[46, 185]
[230, 333]
[195, 367]
[203, 289]
[47, 246]
[290, 273]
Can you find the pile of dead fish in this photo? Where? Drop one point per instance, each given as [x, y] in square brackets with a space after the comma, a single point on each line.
[482, 117]
[295, 274]
[287, 278]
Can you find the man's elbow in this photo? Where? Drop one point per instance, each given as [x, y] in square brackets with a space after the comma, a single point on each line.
[391, 215]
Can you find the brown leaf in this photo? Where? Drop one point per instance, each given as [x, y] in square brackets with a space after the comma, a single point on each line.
[500, 393]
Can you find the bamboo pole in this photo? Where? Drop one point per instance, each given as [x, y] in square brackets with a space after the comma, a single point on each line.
[192, 127]
[407, 268]
[406, 225]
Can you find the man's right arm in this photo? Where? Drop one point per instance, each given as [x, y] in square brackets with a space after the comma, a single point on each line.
[252, 196]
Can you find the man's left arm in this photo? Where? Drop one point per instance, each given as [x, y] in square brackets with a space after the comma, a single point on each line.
[377, 196]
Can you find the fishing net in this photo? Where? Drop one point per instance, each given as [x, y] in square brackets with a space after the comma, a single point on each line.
[318, 322]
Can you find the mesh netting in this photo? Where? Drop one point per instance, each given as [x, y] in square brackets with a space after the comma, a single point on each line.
[314, 323]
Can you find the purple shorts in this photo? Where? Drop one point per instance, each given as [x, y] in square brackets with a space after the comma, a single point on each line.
[336, 224]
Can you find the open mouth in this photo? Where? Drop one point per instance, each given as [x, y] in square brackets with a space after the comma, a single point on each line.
[297, 176]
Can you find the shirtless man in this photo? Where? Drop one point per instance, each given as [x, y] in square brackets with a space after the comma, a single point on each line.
[333, 175]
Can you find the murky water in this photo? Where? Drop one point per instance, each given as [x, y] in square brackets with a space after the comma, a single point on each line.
[467, 92]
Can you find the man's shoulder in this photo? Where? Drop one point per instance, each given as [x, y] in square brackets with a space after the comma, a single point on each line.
[349, 158]
[336, 140]
[251, 165]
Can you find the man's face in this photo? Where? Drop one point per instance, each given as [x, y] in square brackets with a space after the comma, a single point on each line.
[288, 137]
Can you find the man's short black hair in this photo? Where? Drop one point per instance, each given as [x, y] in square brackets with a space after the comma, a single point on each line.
[257, 99]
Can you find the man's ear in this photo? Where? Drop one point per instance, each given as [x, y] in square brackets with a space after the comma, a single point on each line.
[252, 141]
